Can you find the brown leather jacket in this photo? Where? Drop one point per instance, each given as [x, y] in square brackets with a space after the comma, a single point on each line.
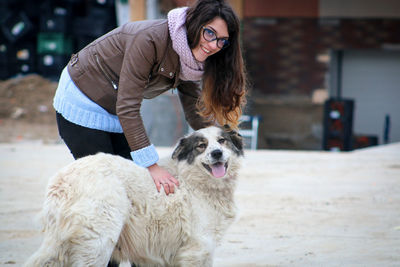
[133, 62]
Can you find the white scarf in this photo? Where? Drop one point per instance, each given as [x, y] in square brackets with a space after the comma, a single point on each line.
[191, 69]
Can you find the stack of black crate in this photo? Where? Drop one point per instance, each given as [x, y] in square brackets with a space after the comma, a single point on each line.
[338, 124]
[39, 36]
[17, 37]
[99, 19]
[54, 40]
[5, 50]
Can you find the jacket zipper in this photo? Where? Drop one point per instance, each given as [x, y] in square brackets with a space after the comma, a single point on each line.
[114, 85]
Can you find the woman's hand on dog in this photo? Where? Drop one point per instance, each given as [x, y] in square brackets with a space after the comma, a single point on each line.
[162, 177]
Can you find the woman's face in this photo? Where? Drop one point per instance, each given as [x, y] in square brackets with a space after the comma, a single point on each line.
[205, 48]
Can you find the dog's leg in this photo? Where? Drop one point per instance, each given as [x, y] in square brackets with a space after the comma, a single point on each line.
[87, 243]
[47, 255]
[99, 231]
[53, 250]
[82, 233]
[195, 254]
[95, 252]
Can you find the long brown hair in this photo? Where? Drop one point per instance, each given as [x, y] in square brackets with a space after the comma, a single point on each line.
[224, 80]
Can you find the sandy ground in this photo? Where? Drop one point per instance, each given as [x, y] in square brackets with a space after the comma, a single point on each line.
[296, 208]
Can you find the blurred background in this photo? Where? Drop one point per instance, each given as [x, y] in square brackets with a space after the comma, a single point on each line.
[323, 74]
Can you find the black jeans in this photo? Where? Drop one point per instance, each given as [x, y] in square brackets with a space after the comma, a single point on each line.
[83, 141]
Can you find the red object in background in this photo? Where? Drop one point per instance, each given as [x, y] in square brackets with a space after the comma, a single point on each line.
[183, 2]
[280, 8]
[364, 141]
[338, 124]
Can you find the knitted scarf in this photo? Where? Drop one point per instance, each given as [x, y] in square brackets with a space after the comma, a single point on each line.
[191, 69]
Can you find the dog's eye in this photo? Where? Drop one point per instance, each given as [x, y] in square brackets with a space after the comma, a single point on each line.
[202, 146]
[221, 140]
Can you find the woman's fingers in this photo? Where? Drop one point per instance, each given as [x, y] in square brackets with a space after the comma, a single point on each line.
[173, 180]
[162, 178]
[167, 188]
[169, 185]
[158, 186]
[171, 188]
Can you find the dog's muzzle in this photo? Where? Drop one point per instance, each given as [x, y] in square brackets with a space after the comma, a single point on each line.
[217, 168]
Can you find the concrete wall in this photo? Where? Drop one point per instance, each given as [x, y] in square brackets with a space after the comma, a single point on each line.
[322, 8]
[289, 123]
[163, 119]
[359, 8]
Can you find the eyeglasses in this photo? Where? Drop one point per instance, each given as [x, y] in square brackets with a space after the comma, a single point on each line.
[209, 35]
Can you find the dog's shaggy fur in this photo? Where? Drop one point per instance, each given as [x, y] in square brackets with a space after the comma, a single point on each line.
[103, 206]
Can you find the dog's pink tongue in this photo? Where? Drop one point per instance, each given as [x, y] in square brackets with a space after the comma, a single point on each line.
[218, 170]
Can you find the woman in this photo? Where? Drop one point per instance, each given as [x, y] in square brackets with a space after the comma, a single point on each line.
[100, 91]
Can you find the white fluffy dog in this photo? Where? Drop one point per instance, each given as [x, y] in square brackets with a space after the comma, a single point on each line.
[105, 207]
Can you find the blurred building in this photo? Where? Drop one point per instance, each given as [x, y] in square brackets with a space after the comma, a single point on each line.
[298, 54]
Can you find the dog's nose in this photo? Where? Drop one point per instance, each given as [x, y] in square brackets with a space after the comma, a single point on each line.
[216, 154]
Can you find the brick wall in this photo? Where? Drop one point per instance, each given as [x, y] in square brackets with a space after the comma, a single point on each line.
[282, 54]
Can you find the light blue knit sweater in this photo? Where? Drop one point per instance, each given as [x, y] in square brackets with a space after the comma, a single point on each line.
[77, 108]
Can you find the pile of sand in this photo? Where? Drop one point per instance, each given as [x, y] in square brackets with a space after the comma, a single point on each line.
[26, 110]
[27, 98]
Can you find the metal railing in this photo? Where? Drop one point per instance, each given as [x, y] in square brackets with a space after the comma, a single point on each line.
[252, 132]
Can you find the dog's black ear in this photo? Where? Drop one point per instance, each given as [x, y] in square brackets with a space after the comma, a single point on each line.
[184, 149]
[179, 149]
[236, 138]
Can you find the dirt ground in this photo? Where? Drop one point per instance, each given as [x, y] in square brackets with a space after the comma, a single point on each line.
[297, 208]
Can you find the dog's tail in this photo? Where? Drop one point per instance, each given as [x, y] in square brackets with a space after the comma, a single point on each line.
[54, 247]
[52, 253]
[46, 257]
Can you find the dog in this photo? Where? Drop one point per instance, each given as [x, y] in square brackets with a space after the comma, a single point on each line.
[105, 207]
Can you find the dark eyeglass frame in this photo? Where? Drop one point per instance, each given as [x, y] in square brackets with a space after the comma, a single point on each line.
[225, 41]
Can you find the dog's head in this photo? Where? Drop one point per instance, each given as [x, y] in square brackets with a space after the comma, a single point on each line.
[214, 150]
